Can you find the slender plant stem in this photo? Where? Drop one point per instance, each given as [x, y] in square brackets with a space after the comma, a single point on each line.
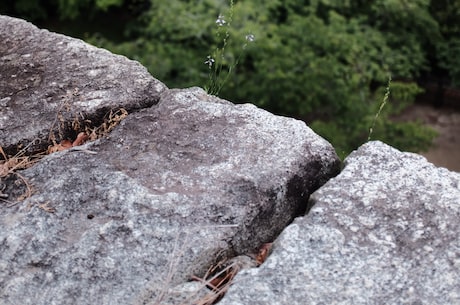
[385, 100]
[217, 61]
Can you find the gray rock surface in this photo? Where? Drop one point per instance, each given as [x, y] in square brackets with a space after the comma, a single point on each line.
[48, 81]
[386, 230]
[171, 191]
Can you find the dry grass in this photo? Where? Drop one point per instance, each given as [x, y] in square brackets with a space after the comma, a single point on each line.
[208, 288]
[215, 283]
[11, 165]
[84, 129]
[218, 279]
[203, 290]
[110, 121]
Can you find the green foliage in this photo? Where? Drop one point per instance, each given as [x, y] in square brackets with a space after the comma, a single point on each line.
[324, 61]
[66, 9]
[449, 59]
[71, 9]
[105, 4]
[447, 14]
[309, 66]
[403, 95]
[407, 136]
[172, 39]
[31, 9]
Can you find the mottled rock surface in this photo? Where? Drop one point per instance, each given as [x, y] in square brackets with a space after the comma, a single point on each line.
[171, 191]
[386, 230]
[50, 81]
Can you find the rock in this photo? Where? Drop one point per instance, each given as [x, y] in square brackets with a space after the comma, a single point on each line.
[53, 86]
[384, 231]
[170, 192]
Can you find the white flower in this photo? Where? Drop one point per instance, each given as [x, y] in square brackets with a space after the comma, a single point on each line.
[209, 61]
[250, 37]
[220, 20]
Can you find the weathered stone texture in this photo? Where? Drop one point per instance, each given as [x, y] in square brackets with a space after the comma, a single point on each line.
[48, 80]
[173, 189]
[384, 231]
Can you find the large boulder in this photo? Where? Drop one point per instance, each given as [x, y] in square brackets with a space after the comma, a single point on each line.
[53, 86]
[170, 192]
[386, 230]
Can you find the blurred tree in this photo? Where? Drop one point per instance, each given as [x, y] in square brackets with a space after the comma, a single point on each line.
[27, 9]
[321, 63]
[447, 14]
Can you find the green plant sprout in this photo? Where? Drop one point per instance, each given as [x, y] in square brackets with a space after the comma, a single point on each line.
[382, 105]
[216, 61]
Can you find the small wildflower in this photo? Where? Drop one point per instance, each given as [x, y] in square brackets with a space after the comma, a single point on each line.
[220, 21]
[209, 61]
[250, 37]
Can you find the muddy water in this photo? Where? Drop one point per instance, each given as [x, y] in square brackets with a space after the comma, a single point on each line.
[445, 151]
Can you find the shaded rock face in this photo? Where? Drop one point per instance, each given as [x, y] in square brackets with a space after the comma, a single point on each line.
[49, 81]
[175, 188]
[384, 231]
